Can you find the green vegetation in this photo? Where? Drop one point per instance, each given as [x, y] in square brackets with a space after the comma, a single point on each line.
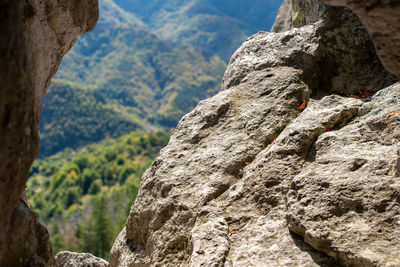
[214, 27]
[84, 196]
[146, 62]
[74, 116]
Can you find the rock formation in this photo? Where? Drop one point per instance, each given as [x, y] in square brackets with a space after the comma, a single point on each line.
[72, 259]
[381, 19]
[293, 163]
[35, 35]
[283, 20]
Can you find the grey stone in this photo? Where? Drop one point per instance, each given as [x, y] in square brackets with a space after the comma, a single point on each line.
[72, 259]
[283, 20]
[346, 202]
[382, 21]
[380, 18]
[334, 62]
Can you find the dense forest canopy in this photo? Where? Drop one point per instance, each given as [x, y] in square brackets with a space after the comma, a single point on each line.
[70, 189]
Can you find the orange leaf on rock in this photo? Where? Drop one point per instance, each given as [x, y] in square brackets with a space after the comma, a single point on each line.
[303, 105]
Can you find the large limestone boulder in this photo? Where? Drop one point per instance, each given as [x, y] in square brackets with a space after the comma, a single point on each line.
[230, 187]
[34, 36]
[346, 201]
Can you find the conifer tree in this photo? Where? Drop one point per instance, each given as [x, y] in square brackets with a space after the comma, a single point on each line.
[97, 233]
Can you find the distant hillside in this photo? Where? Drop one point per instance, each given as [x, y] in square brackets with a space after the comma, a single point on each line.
[84, 195]
[75, 116]
[216, 27]
[146, 63]
[137, 69]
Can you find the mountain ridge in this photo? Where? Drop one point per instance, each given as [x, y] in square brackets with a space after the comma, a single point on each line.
[155, 80]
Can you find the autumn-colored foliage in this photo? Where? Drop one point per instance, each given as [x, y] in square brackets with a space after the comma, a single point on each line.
[303, 105]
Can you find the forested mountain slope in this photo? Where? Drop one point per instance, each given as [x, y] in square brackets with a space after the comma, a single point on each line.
[151, 62]
[213, 26]
[76, 115]
[84, 195]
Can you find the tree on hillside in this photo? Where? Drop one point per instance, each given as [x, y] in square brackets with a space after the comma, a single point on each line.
[96, 234]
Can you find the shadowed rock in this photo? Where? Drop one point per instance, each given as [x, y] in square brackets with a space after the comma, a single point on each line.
[34, 36]
[382, 21]
[380, 18]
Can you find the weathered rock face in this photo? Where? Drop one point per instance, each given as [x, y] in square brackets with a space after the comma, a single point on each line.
[345, 60]
[382, 20]
[72, 259]
[276, 170]
[346, 201]
[297, 13]
[35, 35]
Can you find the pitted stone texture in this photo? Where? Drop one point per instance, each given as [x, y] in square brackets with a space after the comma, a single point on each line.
[346, 203]
[256, 204]
[34, 37]
[216, 195]
[72, 259]
[382, 21]
[338, 57]
[206, 253]
[201, 162]
[297, 48]
[209, 152]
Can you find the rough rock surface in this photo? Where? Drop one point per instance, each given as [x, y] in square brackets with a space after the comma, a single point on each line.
[339, 64]
[382, 20]
[33, 38]
[346, 202]
[229, 189]
[72, 259]
[297, 13]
